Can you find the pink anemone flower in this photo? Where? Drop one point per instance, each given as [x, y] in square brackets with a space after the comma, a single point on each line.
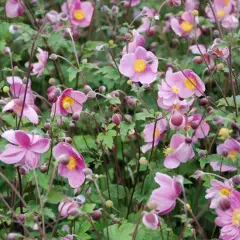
[218, 50]
[232, 147]
[68, 207]
[219, 191]
[37, 68]
[230, 22]
[184, 26]
[149, 134]
[72, 166]
[24, 149]
[191, 5]
[137, 40]
[165, 197]
[81, 13]
[179, 151]
[174, 2]
[151, 220]
[230, 220]
[69, 102]
[140, 66]
[14, 8]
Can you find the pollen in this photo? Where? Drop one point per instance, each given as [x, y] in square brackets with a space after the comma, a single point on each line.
[186, 26]
[225, 192]
[233, 155]
[175, 89]
[157, 133]
[79, 15]
[168, 151]
[140, 65]
[221, 13]
[72, 164]
[67, 102]
[236, 217]
[190, 83]
[224, 133]
[226, 2]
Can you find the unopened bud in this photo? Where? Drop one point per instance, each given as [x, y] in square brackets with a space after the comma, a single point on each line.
[109, 204]
[43, 168]
[188, 140]
[224, 204]
[236, 180]
[52, 81]
[68, 140]
[143, 161]
[116, 118]
[53, 56]
[6, 89]
[204, 102]
[63, 159]
[91, 94]
[7, 51]
[23, 170]
[76, 116]
[87, 89]
[198, 59]
[195, 13]
[96, 214]
[47, 126]
[87, 171]
[102, 89]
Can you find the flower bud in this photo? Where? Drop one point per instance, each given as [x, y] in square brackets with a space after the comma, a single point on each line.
[218, 120]
[87, 89]
[47, 126]
[63, 16]
[109, 204]
[130, 101]
[68, 140]
[174, 3]
[57, 92]
[12, 236]
[116, 118]
[224, 204]
[188, 140]
[6, 89]
[53, 56]
[115, 93]
[23, 170]
[21, 218]
[43, 168]
[198, 174]
[225, 153]
[204, 102]
[72, 125]
[76, 116]
[96, 214]
[152, 204]
[52, 81]
[177, 119]
[63, 159]
[143, 161]
[128, 118]
[91, 94]
[87, 171]
[102, 89]
[198, 59]
[236, 180]
[115, 9]
[195, 13]
[194, 125]
[175, 42]
[220, 66]
[202, 153]
[215, 33]
[7, 51]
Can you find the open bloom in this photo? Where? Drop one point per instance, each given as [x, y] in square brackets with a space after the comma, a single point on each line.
[179, 151]
[151, 220]
[191, 5]
[69, 101]
[230, 220]
[165, 197]
[68, 207]
[72, 169]
[140, 66]
[230, 22]
[14, 8]
[218, 191]
[24, 149]
[184, 26]
[137, 40]
[81, 13]
[217, 50]
[232, 147]
[153, 138]
[37, 68]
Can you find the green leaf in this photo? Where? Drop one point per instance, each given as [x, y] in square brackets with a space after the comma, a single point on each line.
[143, 115]
[84, 142]
[117, 191]
[107, 139]
[72, 73]
[88, 207]
[122, 232]
[49, 213]
[55, 197]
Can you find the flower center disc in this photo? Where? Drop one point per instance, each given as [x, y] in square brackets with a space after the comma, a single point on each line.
[72, 164]
[140, 65]
[186, 26]
[221, 13]
[175, 89]
[233, 155]
[79, 15]
[225, 191]
[67, 102]
[236, 217]
[190, 83]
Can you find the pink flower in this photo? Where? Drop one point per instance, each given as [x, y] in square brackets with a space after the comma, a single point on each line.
[222, 8]
[68, 237]
[14, 8]
[147, 26]
[137, 40]
[232, 147]
[72, 169]
[219, 191]
[24, 149]
[81, 13]
[218, 50]
[52, 16]
[133, 2]
[68, 207]
[165, 197]
[69, 102]
[230, 220]
[230, 22]
[179, 151]
[140, 66]
[151, 220]
[17, 90]
[174, 2]
[184, 25]
[159, 133]
[38, 67]
[191, 5]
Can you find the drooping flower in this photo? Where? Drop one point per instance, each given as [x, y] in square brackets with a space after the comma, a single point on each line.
[150, 135]
[230, 220]
[68, 207]
[218, 50]
[69, 102]
[72, 166]
[184, 25]
[137, 40]
[14, 8]
[81, 13]
[232, 147]
[219, 191]
[179, 151]
[37, 68]
[165, 197]
[140, 66]
[23, 148]
[151, 220]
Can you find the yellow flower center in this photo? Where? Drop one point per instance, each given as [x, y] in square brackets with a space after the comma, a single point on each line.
[140, 65]
[168, 151]
[226, 2]
[224, 133]
[190, 83]
[18, 108]
[157, 133]
[233, 155]
[67, 102]
[79, 15]
[188, 127]
[175, 89]
[236, 217]
[72, 164]
[176, 106]
[221, 13]
[225, 191]
[186, 26]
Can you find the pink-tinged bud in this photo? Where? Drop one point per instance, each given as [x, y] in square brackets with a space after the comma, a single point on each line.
[198, 174]
[87, 171]
[151, 32]
[218, 120]
[177, 119]
[63, 159]
[91, 94]
[205, 29]
[80, 200]
[68, 140]
[115, 93]
[102, 89]
[202, 153]
[52, 98]
[23, 170]
[12, 236]
[198, 59]
[116, 118]
[57, 92]
[210, 110]
[43, 168]
[47, 126]
[151, 220]
[204, 102]
[188, 140]
[7, 51]
[76, 116]
[53, 56]
[194, 125]
[224, 204]
[52, 16]
[68, 207]
[96, 214]
[174, 3]
[225, 153]
[72, 125]
[87, 89]
[128, 118]
[236, 180]
[126, 4]
[21, 218]
[130, 101]
[162, 74]
[63, 17]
